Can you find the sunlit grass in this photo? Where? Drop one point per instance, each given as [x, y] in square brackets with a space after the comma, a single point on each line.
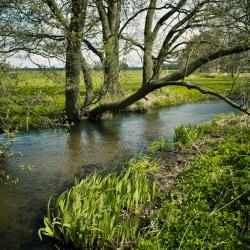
[39, 95]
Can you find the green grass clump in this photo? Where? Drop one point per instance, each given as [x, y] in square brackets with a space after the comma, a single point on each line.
[209, 208]
[185, 135]
[102, 212]
[157, 146]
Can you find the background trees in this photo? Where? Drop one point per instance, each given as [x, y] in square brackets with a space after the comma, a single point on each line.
[106, 30]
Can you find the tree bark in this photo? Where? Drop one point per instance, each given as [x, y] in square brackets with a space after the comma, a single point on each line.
[73, 69]
[148, 44]
[110, 20]
[74, 59]
[88, 83]
[111, 65]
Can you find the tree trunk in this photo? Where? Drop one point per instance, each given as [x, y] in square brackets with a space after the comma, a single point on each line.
[74, 59]
[148, 44]
[88, 83]
[110, 19]
[147, 63]
[111, 66]
[73, 70]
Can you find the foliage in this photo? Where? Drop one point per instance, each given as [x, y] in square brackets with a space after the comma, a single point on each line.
[209, 208]
[6, 141]
[185, 135]
[103, 212]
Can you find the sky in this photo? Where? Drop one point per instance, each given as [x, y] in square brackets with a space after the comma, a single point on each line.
[20, 61]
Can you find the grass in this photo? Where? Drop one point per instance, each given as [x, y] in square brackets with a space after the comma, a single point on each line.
[208, 208]
[102, 212]
[30, 99]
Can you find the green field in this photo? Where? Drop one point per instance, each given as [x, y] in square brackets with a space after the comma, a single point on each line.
[30, 99]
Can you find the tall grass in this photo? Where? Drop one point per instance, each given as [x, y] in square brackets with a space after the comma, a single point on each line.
[185, 135]
[104, 212]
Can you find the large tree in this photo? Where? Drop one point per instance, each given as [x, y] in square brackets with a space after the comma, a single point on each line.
[160, 29]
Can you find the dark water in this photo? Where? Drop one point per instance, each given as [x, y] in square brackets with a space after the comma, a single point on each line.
[58, 157]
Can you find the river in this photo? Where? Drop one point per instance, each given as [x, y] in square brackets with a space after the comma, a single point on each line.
[58, 157]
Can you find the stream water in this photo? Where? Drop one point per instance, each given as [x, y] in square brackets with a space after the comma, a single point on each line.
[58, 157]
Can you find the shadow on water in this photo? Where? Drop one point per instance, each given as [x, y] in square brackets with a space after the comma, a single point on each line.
[59, 157]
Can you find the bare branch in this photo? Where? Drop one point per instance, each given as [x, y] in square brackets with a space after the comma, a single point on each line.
[57, 13]
[166, 17]
[93, 49]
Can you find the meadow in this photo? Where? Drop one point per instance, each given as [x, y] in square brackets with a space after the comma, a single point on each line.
[33, 99]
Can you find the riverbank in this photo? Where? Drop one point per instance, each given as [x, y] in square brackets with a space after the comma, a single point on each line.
[35, 99]
[196, 195]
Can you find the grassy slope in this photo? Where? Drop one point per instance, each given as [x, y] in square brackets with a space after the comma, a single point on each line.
[41, 94]
[207, 206]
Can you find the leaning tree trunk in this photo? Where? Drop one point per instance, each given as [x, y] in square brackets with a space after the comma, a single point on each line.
[174, 80]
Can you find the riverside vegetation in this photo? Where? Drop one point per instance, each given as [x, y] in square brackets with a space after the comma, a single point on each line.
[190, 195]
[33, 99]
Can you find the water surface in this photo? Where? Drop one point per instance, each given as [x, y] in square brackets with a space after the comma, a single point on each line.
[58, 157]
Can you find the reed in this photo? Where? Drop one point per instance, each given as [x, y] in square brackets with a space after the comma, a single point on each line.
[103, 212]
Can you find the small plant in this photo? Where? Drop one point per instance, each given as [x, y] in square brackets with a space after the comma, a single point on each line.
[6, 142]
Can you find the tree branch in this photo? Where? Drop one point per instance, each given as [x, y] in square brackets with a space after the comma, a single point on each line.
[165, 17]
[104, 18]
[178, 75]
[93, 49]
[57, 13]
[137, 13]
[173, 80]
